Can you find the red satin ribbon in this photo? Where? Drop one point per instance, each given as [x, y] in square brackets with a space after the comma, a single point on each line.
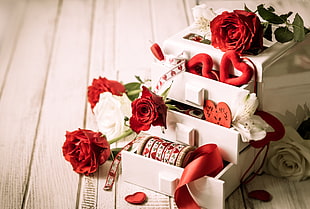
[206, 161]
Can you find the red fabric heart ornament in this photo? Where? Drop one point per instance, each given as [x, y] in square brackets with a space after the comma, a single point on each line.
[278, 127]
[232, 58]
[219, 114]
[201, 64]
[136, 198]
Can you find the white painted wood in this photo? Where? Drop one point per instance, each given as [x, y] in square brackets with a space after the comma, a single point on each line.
[165, 13]
[52, 183]
[21, 99]
[11, 20]
[49, 53]
[132, 34]
[154, 200]
[285, 194]
[101, 64]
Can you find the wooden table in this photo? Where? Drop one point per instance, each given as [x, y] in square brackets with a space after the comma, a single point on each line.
[49, 53]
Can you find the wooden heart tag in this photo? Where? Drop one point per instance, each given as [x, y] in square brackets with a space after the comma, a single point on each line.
[219, 114]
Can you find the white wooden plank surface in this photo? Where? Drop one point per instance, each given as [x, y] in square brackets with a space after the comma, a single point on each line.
[132, 35]
[63, 108]
[49, 53]
[21, 101]
[11, 20]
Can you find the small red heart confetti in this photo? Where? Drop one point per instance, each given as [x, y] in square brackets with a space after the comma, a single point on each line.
[136, 198]
[219, 114]
[260, 195]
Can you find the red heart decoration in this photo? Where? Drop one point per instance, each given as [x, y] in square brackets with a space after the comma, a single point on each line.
[136, 198]
[153, 155]
[157, 52]
[231, 57]
[279, 130]
[260, 195]
[201, 61]
[219, 114]
[146, 151]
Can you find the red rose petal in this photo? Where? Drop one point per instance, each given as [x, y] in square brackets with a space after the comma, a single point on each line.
[260, 195]
[136, 198]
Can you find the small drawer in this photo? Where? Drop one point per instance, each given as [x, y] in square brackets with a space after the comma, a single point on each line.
[194, 131]
[163, 178]
[193, 89]
[177, 44]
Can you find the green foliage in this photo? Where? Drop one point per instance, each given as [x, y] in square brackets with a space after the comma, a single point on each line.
[298, 26]
[205, 41]
[133, 90]
[283, 34]
[269, 15]
[284, 30]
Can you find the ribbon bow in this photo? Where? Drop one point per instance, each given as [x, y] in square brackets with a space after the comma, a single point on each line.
[205, 161]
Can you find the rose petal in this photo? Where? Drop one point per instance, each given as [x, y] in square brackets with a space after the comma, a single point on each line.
[260, 195]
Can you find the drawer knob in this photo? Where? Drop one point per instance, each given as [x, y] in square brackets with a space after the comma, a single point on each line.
[185, 134]
[194, 94]
[167, 183]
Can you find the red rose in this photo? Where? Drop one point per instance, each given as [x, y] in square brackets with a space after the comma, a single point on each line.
[238, 30]
[148, 110]
[85, 150]
[101, 85]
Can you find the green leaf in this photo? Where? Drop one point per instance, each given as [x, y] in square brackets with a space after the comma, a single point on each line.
[246, 8]
[271, 9]
[283, 34]
[139, 79]
[268, 15]
[132, 86]
[268, 32]
[205, 41]
[285, 16]
[165, 93]
[298, 28]
[172, 107]
[133, 90]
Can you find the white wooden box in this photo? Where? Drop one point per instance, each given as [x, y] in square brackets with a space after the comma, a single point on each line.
[193, 89]
[285, 88]
[282, 71]
[178, 44]
[186, 129]
[209, 192]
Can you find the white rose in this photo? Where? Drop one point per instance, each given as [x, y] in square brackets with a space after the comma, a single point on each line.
[289, 157]
[110, 112]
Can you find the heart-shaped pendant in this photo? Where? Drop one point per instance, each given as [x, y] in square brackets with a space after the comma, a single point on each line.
[201, 64]
[136, 198]
[232, 58]
[219, 114]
